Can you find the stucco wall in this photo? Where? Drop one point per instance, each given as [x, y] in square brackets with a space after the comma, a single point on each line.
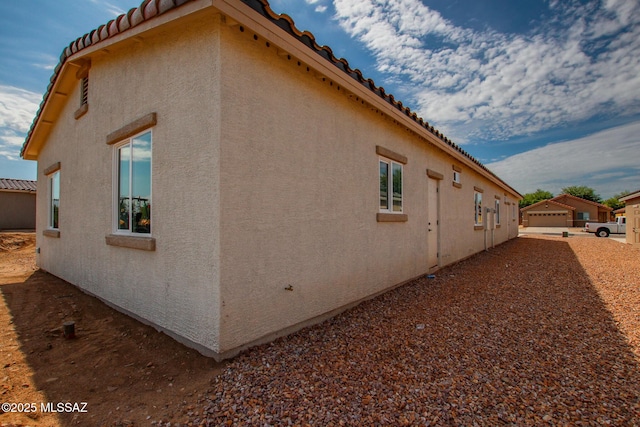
[17, 210]
[633, 220]
[265, 190]
[176, 286]
[300, 189]
[583, 207]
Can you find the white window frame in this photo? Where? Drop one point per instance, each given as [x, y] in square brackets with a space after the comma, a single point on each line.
[456, 177]
[390, 206]
[477, 205]
[52, 178]
[116, 187]
[497, 214]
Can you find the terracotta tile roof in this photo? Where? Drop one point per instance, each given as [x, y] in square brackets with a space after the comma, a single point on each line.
[152, 8]
[569, 196]
[554, 202]
[17, 185]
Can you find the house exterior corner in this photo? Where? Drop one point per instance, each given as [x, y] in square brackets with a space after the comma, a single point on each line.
[214, 174]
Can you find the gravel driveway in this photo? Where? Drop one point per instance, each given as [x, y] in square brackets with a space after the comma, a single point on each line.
[538, 331]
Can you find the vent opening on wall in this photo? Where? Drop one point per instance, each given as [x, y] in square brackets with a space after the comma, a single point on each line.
[84, 95]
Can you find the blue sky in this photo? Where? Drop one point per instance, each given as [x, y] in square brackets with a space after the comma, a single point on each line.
[546, 93]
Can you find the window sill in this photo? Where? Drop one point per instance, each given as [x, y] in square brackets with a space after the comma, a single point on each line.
[390, 217]
[478, 227]
[141, 243]
[457, 185]
[51, 233]
[81, 111]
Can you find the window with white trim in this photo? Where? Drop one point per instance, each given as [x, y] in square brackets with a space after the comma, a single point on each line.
[133, 185]
[477, 202]
[54, 200]
[456, 177]
[390, 186]
[497, 208]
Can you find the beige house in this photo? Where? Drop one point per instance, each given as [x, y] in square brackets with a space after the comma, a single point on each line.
[17, 204]
[226, 179]
[632, 211]
[564, 210]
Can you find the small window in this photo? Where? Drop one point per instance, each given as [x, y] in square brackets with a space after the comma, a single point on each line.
[497, 207]
[583, 216]
[54, 200]
[457, 179]
[477, 200]
[133, 190]
[390, 186]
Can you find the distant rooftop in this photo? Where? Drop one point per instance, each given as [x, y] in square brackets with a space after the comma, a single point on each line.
[8, 184]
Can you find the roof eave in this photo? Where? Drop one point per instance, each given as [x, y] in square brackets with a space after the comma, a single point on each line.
[630, 196]
[74, 57]
[50, 110]
[262, 27]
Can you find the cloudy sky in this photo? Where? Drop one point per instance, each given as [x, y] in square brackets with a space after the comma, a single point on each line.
[546, 93]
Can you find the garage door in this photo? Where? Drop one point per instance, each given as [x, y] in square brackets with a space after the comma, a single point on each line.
[547, 219]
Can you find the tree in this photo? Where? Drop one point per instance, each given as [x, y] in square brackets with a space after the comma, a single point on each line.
[531, 198]
[614, 202]
[583, 192]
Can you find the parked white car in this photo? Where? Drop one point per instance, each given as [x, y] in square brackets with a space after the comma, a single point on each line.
[603, 229]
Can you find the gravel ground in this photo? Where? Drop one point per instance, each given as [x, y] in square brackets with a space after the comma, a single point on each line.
[538, 331]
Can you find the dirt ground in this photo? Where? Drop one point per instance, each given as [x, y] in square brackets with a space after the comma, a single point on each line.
[121, 372]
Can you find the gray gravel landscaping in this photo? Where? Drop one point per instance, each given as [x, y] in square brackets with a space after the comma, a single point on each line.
[538, 331]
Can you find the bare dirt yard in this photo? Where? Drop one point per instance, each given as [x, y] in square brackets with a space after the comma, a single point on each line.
[540, 331]
[127, 373]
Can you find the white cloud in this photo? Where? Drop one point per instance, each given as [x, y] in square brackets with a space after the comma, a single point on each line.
[17, 109]
[111, 8]
[485, 85]
[606, 161]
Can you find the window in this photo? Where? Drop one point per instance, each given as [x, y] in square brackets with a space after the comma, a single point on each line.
[457, 176]
[497, 207]
[133, 172]
[390, 186]
[54, 200]
[477, 200]
[583, 216]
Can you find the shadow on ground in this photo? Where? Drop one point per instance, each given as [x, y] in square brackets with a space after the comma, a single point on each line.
[516, 336]
[126, 372]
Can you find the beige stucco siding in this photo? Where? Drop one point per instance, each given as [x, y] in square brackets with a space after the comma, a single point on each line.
[300, 188]
[175, 286]
[265, 195]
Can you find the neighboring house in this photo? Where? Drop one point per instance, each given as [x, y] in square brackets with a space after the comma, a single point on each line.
[17, 204]
[632, 207]
[227, 180]
[564, 210]
[619, 212]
